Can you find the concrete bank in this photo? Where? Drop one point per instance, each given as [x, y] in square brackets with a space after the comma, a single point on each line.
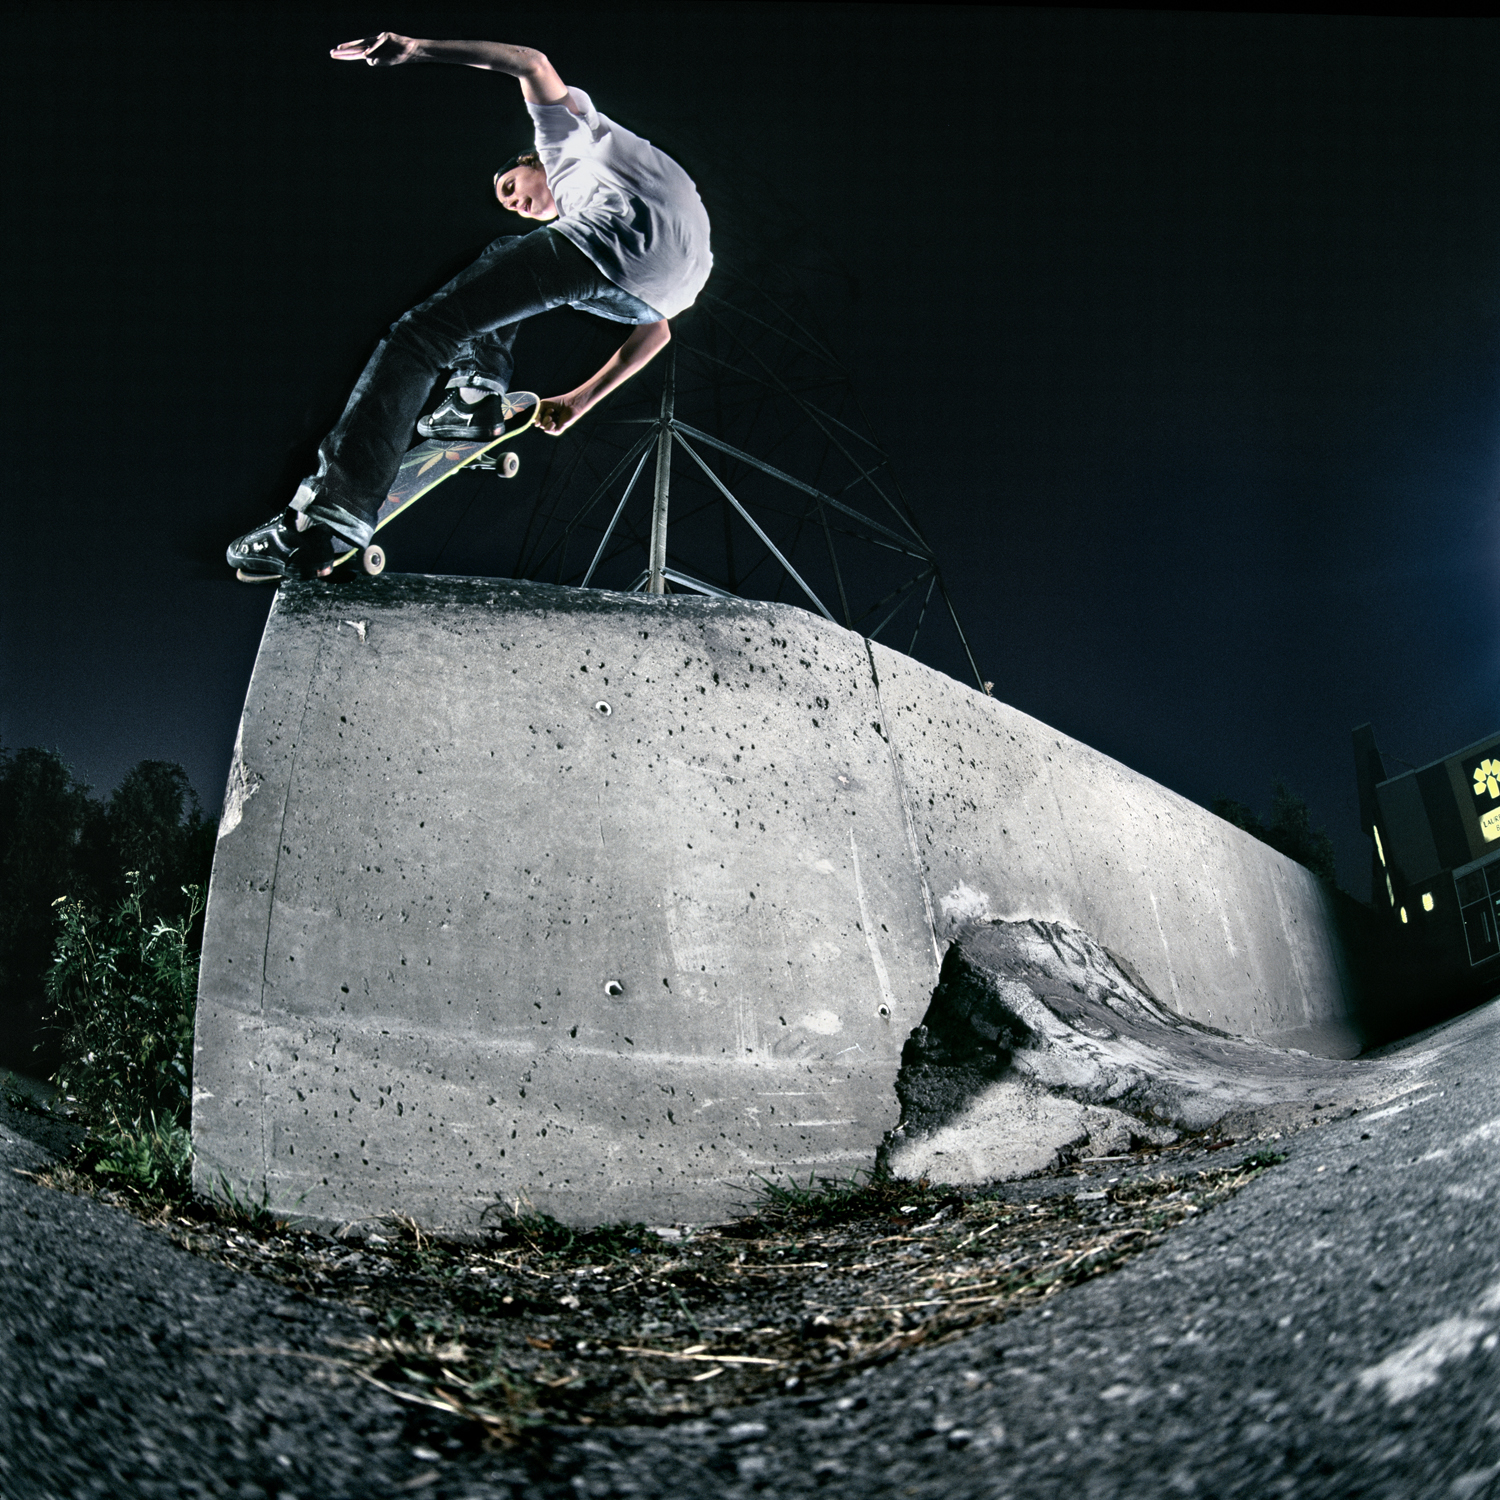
[608, 905]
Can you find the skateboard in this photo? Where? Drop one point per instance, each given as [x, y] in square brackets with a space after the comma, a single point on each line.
[424, 468]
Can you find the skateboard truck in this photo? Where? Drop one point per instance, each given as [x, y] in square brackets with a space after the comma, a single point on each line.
[506, 465]
[371, 558]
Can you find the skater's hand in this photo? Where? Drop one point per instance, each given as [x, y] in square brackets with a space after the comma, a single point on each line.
[383, 51]
[646, 341]
[558, 413]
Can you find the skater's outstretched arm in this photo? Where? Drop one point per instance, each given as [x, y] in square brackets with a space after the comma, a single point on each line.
[646, 341]
[539, 81]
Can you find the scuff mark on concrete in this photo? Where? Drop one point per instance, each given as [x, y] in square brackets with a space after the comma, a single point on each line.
[242, 787]
[1166, 951]
[963, 905]
[882, 977]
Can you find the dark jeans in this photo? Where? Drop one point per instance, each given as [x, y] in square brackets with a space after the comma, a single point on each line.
[469, 326]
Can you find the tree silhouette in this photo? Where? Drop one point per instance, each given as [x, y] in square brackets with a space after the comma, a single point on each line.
[56, 840]
[1289, 830]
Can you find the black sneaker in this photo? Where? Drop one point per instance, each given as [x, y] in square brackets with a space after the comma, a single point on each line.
[266, 553]
[272, 551]
[472, 421]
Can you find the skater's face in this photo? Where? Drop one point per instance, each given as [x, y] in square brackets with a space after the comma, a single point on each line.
[523, 190]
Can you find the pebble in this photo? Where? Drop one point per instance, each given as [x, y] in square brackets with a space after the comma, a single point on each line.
[744, 1432]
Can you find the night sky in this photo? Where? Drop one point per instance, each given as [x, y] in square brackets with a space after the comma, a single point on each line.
[1183, 331]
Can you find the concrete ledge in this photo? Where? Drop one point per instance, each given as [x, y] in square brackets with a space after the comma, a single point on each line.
[524, 894]
[610, 905]
[1016, 821]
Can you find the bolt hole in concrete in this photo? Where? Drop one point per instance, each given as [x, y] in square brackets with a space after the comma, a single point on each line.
[884, 1012]
[613, 987]
[603, 708]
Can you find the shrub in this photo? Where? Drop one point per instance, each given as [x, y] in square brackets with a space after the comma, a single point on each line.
[43, 806]
[122, 994]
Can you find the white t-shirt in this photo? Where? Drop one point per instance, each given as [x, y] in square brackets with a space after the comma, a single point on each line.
[629, 207]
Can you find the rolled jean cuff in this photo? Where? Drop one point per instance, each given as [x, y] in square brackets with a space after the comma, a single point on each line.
[356, 530]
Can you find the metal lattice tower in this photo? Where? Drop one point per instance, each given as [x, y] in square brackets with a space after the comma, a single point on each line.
[742, 465]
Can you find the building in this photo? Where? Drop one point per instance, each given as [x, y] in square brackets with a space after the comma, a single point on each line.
[1435, 863]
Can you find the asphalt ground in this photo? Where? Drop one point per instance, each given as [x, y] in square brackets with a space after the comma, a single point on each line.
[1331, 1330]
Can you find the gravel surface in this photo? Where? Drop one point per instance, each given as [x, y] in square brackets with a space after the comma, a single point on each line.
[537, 1323]
[1329, 1329]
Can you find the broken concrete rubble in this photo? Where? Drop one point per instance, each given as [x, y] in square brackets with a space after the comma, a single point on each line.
[1038, 1041]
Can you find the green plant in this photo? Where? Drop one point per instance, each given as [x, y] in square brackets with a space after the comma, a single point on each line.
[122, 994]
[407, 1322]
[155, 1156]
[42, 809]
[1260, 1160]
[823, 1201]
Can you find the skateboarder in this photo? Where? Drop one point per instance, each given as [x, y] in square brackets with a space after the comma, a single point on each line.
[626, 237]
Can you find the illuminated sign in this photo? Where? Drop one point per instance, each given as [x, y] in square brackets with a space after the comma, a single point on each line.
[1487, 778]
[1482, 773]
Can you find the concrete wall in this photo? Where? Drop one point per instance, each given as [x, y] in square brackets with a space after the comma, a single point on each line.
[1016, 821]
[608, 905]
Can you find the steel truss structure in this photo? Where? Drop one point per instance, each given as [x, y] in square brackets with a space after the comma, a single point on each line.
[773, 479]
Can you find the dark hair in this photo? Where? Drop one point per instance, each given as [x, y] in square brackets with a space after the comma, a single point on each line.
[526, 158]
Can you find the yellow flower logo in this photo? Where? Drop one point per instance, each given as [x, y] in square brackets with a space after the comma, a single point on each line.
[1487, 778]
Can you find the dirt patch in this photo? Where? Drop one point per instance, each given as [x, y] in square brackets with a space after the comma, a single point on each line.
[542, 1324]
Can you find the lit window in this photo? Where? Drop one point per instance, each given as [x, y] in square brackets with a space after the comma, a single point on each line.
[1403, 914]
[1379, 847]
[1426, 900]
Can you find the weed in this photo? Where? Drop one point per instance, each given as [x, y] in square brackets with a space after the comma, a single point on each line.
[1260, 1160]
[411, 1323]
[822, 1202]
[544, 1235]
[14, 1095]
[151, 1155]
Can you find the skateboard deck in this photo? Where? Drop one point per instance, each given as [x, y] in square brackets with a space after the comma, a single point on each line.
[424, 468]
[428, 464]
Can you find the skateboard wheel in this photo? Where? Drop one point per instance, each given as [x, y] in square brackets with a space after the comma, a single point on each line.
[508, 465]
[372, 559]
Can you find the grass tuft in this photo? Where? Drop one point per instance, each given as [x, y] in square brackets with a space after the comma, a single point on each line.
[245, 1213]
[823, 1202]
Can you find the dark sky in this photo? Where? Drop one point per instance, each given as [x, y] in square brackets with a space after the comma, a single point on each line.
[1187, 328]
